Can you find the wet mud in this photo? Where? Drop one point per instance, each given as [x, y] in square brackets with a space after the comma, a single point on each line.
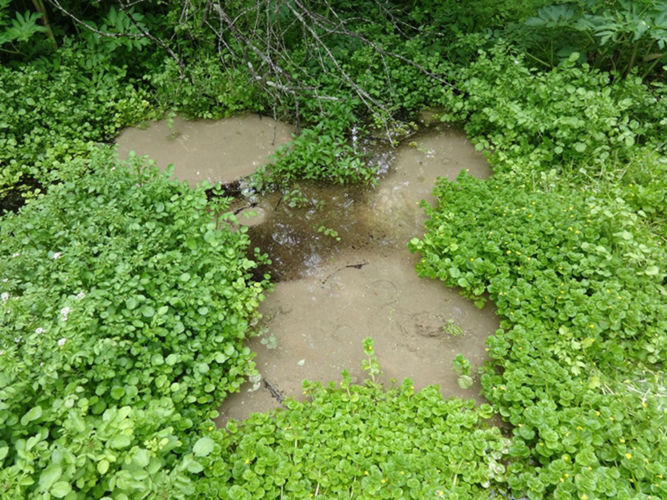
[320, 321]
[332, 292]
[383, 216]
[342, 268]
[216, 151]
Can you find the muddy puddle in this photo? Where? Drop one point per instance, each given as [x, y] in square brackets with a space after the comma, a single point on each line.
[216, 151]
[343, 272]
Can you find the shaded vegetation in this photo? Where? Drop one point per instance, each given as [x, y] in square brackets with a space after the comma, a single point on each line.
[124, 307]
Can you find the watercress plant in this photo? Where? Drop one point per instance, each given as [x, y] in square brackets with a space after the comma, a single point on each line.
[124, 311]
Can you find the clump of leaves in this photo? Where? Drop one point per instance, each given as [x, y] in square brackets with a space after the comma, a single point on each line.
[571, 120]
[318, 153]
[463, 369]
[327, 231]
[203, 89]
[16, 31]
[124, 311]
[359, 440]
[618, 35]
[452, 328]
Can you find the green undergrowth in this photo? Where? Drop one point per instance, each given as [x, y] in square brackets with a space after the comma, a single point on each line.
[576, 368]
[567, 239]
[320, 153]
[359, 441]
[57, 109]
[204, 89]
[572, 121]
[124, 307]
[123, 315]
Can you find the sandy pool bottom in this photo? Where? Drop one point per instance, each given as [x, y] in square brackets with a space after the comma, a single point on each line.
[319, 323]
[332, 294]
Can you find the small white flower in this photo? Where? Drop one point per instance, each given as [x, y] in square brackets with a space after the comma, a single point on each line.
[2, 352]
[80, 295]
[57, 255]
[40, 330]
[62, 341]
[5, 280]
[64, 312]
[5, 296]
[14, 255]
[18, 339]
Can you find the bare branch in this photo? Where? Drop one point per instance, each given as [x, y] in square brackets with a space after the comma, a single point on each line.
[257, 36]
[125, 8]
[141, 35]
[89, 27]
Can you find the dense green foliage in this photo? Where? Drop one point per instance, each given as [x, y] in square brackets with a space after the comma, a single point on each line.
[52, 112]
[124, 307]
[17, 30]
[618, 35]
[567, 240]
[318, 153]
[577, 363]
[571, 119]
[359, 441]
[124, 311]
[205, 91]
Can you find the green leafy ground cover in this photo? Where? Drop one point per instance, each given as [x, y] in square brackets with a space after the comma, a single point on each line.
[359, 441]
[576, 365]
[124, 309]
[573, 257]
[55, 111]
[574, 213]
[572, 119]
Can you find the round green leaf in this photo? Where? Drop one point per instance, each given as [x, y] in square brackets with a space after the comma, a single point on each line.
[61, 489]
[148, 311]
[117, 392]
[464, 381]
[50, 475]
[203, 447]
[33, 414]
[103, 466]
[120, 441]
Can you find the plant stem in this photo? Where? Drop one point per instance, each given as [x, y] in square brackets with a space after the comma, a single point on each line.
[632, 59]
[650, 68]
[8, 51]
[539, 60]
[39, 5]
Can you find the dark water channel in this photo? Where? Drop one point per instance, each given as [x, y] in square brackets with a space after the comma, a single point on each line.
[351, 279]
